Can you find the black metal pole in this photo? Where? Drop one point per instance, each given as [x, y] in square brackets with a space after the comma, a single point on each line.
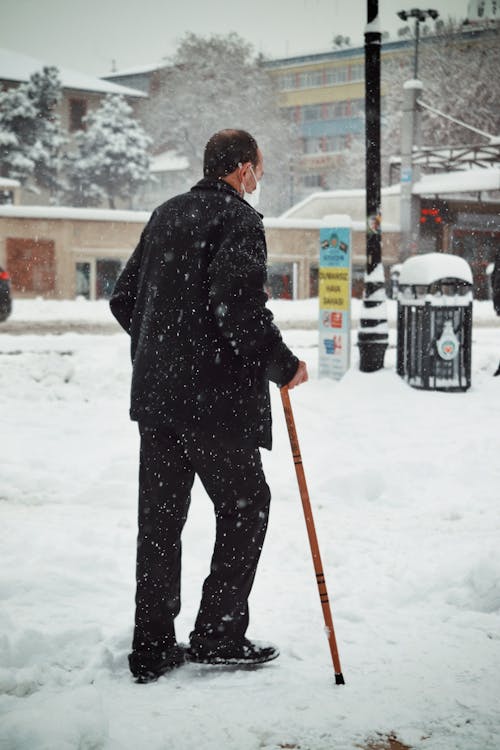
[373, 335]
[417, 39]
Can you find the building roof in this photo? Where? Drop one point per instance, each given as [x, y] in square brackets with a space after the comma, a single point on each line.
[168, 161]
[17, 67]
[338, 53]
[6, 182]
[468, 181]
[475, 180]
[389, 46]
[136, 70]
[73, 213]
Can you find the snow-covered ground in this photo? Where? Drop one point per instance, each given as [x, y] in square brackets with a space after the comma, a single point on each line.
[301, 311]
[405, 488]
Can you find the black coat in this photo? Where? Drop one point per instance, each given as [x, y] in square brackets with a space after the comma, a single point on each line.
[495, 283]
[203, 344]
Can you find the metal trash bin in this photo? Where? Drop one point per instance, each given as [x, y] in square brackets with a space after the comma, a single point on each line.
[434, 333]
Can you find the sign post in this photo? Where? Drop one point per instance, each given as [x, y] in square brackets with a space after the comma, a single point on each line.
[335, 260]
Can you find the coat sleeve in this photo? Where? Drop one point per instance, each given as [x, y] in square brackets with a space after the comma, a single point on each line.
[124, 295]
[495, 283]
[237, 275]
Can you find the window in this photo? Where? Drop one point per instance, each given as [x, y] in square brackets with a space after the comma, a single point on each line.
[358, 107]
[313, 281]
[281, 280]
[311, 112]
[357, 72]
[287, 81]
[336, 75]
[77, 111]
[311, 78]
[107, 272]
[292, 113]
[312, 145]
[336, 110]
[335, 143]
[95, 278]
[313, 180]
[6, 197]
[83, 272]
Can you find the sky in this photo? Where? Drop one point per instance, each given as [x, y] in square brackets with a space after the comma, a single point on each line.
[88, 36]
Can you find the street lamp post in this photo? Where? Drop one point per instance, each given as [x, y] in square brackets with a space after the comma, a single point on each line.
[420, 16]
[373, 333]
[410, 136]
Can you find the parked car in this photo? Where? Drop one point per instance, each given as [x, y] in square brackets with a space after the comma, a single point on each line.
[5, 298]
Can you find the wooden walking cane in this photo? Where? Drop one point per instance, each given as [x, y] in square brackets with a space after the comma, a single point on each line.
[311, 531]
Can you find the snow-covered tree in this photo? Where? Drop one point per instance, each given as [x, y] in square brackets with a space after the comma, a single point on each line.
[17, 134]
[31, 138]
[459, 73]
[111, 160]
[213, 83]
[348, 171]
[44, 90]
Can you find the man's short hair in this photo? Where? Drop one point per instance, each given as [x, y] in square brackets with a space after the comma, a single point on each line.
[226, 150]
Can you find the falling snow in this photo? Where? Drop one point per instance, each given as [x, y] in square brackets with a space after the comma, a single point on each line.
[404, 489]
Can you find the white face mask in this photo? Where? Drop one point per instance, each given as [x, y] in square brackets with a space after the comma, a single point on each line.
[252, 198]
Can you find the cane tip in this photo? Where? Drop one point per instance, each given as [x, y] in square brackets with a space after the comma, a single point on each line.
[339, 678]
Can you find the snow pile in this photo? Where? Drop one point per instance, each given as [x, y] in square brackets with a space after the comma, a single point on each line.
[404, 488]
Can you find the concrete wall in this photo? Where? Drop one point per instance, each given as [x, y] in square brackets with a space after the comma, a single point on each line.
[75, 241]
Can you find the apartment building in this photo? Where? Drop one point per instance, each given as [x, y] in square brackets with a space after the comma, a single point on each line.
[324, 95]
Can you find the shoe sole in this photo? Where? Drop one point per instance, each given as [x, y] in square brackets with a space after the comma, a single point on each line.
[220, 661]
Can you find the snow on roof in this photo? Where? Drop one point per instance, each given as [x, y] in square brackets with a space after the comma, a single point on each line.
[463, 181]
[414, 83]
[135, 71]
[70, 212]
[141, 217]
[17, 67]
[6, 182]
[474, 180]
[428, 268]
[326, 195]
[338, 220]
[168, 161]
[329, 221]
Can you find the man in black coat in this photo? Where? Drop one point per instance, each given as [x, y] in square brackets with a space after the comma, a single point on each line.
[204, 348]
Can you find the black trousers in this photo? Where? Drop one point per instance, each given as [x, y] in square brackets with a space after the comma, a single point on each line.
[234, 480]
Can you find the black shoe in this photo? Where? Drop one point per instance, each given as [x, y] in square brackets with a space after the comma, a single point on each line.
[497, 372]
[228, 651]
[147, 666]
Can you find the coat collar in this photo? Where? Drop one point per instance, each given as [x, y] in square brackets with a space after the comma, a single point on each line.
[207, 183]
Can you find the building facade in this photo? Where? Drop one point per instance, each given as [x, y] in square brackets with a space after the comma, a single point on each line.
[324, 95]
[62, 253]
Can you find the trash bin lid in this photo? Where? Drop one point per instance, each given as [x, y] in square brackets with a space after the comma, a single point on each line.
[431, 267]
